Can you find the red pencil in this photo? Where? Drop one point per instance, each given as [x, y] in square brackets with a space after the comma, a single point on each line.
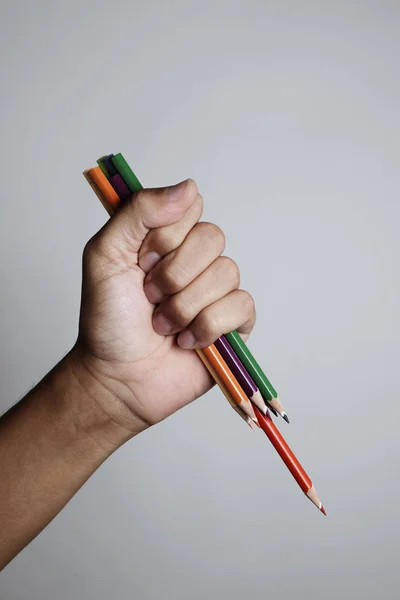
[280, 445]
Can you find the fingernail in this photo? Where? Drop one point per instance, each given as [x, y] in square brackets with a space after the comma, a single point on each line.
[148, 260]
[177, 192]
[186, 340]
[153, 292]
[161, 324]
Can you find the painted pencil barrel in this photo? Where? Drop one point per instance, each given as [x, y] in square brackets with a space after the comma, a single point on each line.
[223, 387]
[111, 170]
[284, 451]
[264, 385]
[100, 162]
[126, 173]
[236, 366]
[229, 380]
[105, 187]
[120, 187]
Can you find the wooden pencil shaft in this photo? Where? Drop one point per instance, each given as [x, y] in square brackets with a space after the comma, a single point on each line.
[98, 192]
[104, 186]
[223, 387]
[126, 173]
[100, 162]
[111, 170]
[239, 371]
[286, 454]
[264, 385]
[236, 366]
[229, 380]
[120, 187]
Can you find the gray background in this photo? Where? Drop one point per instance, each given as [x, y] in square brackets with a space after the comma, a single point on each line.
[287, 116]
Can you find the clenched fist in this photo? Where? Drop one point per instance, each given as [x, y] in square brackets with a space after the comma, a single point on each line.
[155, 286]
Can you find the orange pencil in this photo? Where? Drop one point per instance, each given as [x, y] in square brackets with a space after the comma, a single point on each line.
[224, 389]
[226, 375]
[97, 192]
[98, 178]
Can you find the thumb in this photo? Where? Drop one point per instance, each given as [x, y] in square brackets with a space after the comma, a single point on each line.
[148, 209]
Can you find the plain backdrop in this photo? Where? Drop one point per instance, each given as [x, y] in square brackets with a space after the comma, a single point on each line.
[287, 116]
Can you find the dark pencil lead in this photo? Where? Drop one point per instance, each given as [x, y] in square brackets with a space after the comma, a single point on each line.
[268, 415]
[284, 416]
[274, 412]
[322, 510]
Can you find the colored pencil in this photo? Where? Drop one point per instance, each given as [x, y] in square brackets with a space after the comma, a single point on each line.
[111, 170]
[105, 187]
[264, 385]
[120, 187]
[280, 445]
[224, 389]
[229, 380]
[126, 173]
[220, 371]
[100, 162]
[243, 378]
[98, 193]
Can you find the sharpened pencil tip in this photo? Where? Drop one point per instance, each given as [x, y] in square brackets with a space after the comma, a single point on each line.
[284, 416]
[323, 510]
[274, 412]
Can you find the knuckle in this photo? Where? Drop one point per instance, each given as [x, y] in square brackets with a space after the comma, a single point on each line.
[179, 312]
[229, 269]
[192, 188]
[88, 250]
[174, 278]
[247, 302]
[162, 241]
[208, 326]
[199, 203]
[95, 248]
[212, 233]
[139, 199]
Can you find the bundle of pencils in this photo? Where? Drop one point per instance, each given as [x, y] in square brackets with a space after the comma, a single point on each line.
[229, 361]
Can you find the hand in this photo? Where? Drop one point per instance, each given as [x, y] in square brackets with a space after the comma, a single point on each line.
[155, 285]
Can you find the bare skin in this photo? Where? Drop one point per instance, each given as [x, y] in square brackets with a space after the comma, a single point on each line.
[154, 285]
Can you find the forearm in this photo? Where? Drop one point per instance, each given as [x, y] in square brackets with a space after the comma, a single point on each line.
[50, 444]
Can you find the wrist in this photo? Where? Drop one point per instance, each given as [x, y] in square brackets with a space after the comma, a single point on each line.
[93, 409]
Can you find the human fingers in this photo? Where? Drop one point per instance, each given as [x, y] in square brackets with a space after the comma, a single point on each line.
[201, 247]
[163, 240]
[120, 239]
[178, 311]
[236, 310]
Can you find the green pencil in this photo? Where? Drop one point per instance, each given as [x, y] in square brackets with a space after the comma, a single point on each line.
[126, 173]
[102, 165]
[267, 390]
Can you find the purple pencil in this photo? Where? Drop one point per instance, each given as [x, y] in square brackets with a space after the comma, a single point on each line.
[240, 372]
[109, 165]
[120, 187]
